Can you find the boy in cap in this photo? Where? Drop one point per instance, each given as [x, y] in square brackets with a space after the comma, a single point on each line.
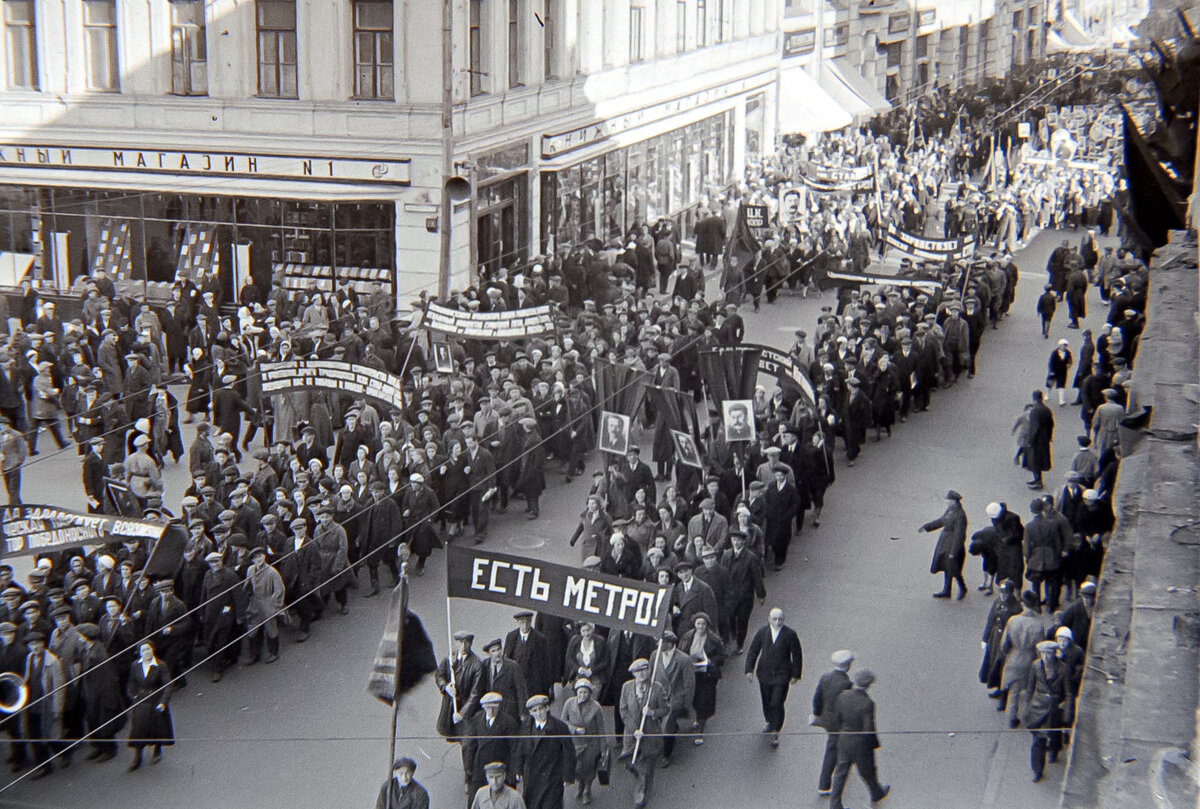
[490, 737]
[495, 793]
[401, 790]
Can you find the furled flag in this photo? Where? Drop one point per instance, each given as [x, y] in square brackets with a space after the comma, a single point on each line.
[403, 660]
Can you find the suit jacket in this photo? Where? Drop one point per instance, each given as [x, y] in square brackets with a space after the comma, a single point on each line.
[700, 598]
[510, 684]
[391, 796]
[745, 577]
[533, 656]
[467, 673]
[545, 764]
[678, 680]
[775, 662]
[630, 708]
[854, 713]
[482, 744]
[825, 698]
[716, 535]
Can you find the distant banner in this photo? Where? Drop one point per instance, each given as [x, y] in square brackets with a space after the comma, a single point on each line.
[829, 179]
[512, 324]
[28, 530]
[568, 592]
[887, 280]
[784, 367]
[933, 249]
[361, 380]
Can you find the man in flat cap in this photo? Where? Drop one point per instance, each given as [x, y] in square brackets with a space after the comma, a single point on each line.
[503, 676]
[221, 597]
[531, 652]
[545, 755]
[457, 678]
[168, 625]
[265, 598]
[948, 555]
[489, 736]
[823, 714]
[401, 790]
[643, 707]
[531, 467]
[495, 793]
[45, 683]
[100, 692]
[854, 715]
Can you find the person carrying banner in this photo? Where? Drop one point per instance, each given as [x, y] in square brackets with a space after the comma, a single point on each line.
[643, 707]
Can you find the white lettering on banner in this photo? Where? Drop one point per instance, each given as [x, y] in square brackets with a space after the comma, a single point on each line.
[490, 575]
[271, 166]
[504, 325]
[561, 142]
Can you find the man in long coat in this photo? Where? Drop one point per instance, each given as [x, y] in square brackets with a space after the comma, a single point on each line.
[824, 714]
[489, 736]
[545, 756]
[1041, 433]
[529, 649]
[951, 545]
[857, 742]
[531, 467]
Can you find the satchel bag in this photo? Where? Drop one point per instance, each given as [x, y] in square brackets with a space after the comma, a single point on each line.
[604, 766]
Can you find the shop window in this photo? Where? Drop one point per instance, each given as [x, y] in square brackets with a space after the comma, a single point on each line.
[189, 48]
[373, 59]
[100, 44]
[515, 51]
[637, 34]
[20, 39]
[277, 62]
[895, 54]
[475, 46]
[701, 23]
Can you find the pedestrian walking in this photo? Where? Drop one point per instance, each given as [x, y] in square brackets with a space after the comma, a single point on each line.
[1058, 366]
[1006, 605]
[1047, 303]
[496, 793]
[1047, 706]
[150, 717]
[1037, 458]
[401, 790]
[854, 714]
[643, 709]
[584, 718]
[824, 713]
[1019, 643]
[776, 659]
[545, 756]
[13, 451]
[949, 553]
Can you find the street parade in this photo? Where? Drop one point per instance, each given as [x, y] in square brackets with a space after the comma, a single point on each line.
[264, 466]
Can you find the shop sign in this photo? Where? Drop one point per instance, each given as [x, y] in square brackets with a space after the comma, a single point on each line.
[214, 163]
[899, 23]
[562, 142]
[797, 43]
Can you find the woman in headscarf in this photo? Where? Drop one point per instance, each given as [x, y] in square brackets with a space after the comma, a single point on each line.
[150, 715]
[707, 653]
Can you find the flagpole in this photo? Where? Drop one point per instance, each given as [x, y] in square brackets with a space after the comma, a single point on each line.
[649, 694]
[450, 662]
[399, 660]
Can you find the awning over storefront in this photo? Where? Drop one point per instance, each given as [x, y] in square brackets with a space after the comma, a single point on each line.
[805, 108]
[842, 80]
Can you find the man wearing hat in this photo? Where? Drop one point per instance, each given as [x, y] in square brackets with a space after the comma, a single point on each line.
[709, 525]
[45, 683]
[676, 674]
[401, 790]
[381, 526]
[1078, 615]
[545, 755]
[692, 595]
[13, 451]
[949, 553]
[1046, 539]
[1047, 705]
[854, 717]
[643, 707]
[502, 675]
[531, 467]
[824, 714]
[489, 736]
[458, 678]
[265, 599]
[222, 613]
[528, 648]
[100, 693]
[301, 572]
[496, 793]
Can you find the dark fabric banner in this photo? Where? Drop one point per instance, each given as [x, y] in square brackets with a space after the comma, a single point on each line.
[1149, 189]
[730, 372]
[887, 280]
[740, 248]
[568, 592]
[784, 368]
[676, 409]
[619, 388]
[28, 530]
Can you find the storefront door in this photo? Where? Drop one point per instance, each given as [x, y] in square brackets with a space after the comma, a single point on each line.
[499, 225]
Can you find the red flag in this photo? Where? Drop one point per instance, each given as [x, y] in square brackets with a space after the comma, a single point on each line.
[404, 657]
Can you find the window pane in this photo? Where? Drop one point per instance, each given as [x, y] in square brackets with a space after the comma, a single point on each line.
[99, 12]
[267, 51]
[375, 14]
[287, 48]
[185, 12]
[385, 49]
[276, 14]
[18, 11]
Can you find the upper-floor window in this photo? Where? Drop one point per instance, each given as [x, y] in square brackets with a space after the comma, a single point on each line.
[797, 8]
[100, 44]
[515, 79]
[475, 46]
[373, 52]
[20, 39]
[680, 26]
[701, 23]
[277, 71]
[721, 32]
[637, 33]
[550, 39]
[189, 48]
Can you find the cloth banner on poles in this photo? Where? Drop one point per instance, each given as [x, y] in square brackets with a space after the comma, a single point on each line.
[676, 409]
[886, 280]
[835, 179]
[730, 372]
[568, 592]
[360, 380]
[784, 367]
[28, 530]
[619, 388]
[933, 249]
[512, 324]
[400, 663]
[740, 248]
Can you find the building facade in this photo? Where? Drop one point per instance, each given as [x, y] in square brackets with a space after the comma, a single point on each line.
[304, 137]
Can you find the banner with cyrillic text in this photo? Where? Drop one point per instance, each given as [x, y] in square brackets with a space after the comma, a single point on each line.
[512, 324]
[932, 249]
[361, 380]
[568, 592]
[28, 530]
[784, 367]
[885, 280]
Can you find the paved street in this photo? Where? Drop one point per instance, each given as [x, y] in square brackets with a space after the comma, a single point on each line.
[304, 733]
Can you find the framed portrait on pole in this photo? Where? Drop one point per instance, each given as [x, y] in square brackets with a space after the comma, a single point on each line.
[614, 433]
[738, 418]
[685, 449]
